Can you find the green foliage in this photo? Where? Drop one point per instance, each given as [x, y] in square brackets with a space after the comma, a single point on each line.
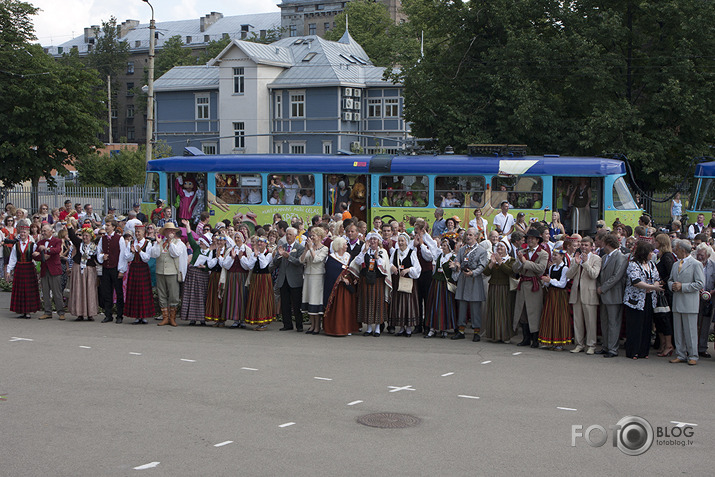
[109, 55]
[125, 168]
[16, 27]
[173, 53]
[213, 48]
[272, 35]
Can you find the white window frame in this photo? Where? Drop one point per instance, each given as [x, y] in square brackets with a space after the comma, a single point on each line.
[278, 147]
[239, 80]
[374, 107]
[297, 104]
[327, 147]
[206, 148]
[392, 107]
[278, 113]
[203, 107]
[239, 135]
[296, 147]
[130, 67]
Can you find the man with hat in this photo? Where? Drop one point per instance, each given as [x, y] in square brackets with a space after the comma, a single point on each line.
[47, 252]
[584, 270]
[530, 265]
[140, 215]
[25, 298]
[171, 264]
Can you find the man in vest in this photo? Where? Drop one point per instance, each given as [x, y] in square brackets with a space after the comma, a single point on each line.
[47, 252]
[108, 252]
[171, 264]
[427, 251]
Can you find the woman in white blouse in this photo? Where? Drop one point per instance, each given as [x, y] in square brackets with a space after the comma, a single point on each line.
[314, 257]
[405, 269]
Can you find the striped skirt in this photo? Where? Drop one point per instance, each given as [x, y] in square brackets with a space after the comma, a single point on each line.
[555, 328]
[372, 307]
[441, 307]
[234, 298]
[405, 308]
[193, 301]
[83, 300]
[499, 313]
[139, 301]
[260, 304]
[213, 298]
[25, 296]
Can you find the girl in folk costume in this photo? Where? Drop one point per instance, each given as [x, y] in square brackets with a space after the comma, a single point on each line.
[234, 298]
[375, 284]
[193, 301]
[25, 297]
[83, 299]
[139, 302]
[555, 327]
[314, 257]
[340, 318]
[215, 289]
[260, 306]
[500, 302]
[405, 269]
[441, 305]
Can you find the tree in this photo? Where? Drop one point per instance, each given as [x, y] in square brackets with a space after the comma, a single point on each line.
[48, 109]
[124, 168]
[173, 53]
[213, 48]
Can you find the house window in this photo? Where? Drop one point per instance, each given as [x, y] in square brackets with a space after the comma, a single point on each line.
[130, 111]
[392, 107]
[404, 191]
[238, 80]
[209, 147]
[130, 89]
[202, 107]
[326, 26]
[279, 105]
[130, 68]
[277, 147]
[297, 105]
[327, 147]
[239, 135]
[131, 135]
[114, 113]
[239, 189]
[320, 6]
[311, 29]
[459, 191]
[293, 31]
[207, 38]
[297, 148]
[374, 108]
[137, 43]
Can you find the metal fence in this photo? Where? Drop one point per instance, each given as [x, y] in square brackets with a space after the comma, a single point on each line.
[101, 198]
[660, 211]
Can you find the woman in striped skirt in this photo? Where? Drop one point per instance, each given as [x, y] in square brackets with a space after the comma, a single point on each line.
[441, 306]
[193, 301]
[260, 306]
[555, 328]
[25, 298]
[499, 311]
[404, 266]
[234, 298]
[139, 303]
[375, 286]
[83, 300]
[215, 289]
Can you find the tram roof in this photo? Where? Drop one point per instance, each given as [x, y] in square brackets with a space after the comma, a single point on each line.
[402, 165]
[705, 169]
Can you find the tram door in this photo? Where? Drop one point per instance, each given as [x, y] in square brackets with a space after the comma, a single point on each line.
[352, 190]
[193, 181]
[579, 202]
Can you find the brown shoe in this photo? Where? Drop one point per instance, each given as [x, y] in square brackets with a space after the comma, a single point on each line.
[677, 360]
[46, 316]
[172, 316]
[692, 362]
[165, 317]
[62, 317]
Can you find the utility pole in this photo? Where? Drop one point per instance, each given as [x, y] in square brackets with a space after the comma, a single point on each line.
[109, 109]
[150, 85]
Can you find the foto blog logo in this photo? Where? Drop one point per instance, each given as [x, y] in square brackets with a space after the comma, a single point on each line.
[632, 435]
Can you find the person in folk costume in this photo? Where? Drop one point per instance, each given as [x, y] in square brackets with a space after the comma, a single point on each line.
[234, 297]
[404, 265]
[215, 290]
[83, 299]
[375, 284]
[110, 252]
[427, 250]
[25, 298]
[171, 264]
[555, 326]
[340, 298]
[47, 251]
[530, 265]
[467, 271]
[260, 304]
[313, 257]
[193, 300]
[139, 302]
[500, 302]
[441, 306]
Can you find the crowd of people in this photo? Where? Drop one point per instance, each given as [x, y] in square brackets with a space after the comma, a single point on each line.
[342, 277]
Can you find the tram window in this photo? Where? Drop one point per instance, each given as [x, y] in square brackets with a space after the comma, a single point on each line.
[706, 195]
[404, 191]
[459, 191]
[622, 198]
[151, 189]
[239, 188]
[291, 189]
[522, 192]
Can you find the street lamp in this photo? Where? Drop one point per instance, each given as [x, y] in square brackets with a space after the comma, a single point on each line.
[150, 94]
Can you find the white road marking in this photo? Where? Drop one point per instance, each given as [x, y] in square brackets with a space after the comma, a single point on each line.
[566, 408]
[188, 360]
[447, 374]
[86, 347]
[15, 338]
[323, 379]
[486, 362]
[150, 465]
[287, 424]
[353, 403]
[394, 389]
[682, 424]
[250, 369]
[135, 354]
[221, 444]
[468, 397]
[516, 354]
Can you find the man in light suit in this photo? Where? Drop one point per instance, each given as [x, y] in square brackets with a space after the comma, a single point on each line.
[686, 280]
[611, 282]
[290, 279]
[467, 271]
[584, 270]
[705, 315]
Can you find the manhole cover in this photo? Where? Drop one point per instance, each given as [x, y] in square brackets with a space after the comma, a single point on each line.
[389, 420]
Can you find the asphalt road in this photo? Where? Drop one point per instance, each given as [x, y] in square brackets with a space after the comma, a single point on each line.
[92, 399]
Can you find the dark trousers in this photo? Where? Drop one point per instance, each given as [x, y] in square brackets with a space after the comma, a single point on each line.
[112, 283]
[423, 285]
[639, 324]
[291, 299]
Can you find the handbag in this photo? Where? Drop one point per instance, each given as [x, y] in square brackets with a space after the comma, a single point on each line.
[405, 285]
[451, 287]
[661, 303]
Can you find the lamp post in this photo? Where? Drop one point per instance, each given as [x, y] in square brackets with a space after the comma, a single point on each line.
[150, 92]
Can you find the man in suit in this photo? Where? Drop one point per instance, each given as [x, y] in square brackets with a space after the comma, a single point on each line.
[611, 282]
[467, 271]
[584, 270]
[530, 265]
[109, 250]
[290, 279]
[47, 252]
[686, 280]
[705, 314]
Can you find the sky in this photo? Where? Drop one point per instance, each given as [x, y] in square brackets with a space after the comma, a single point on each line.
[61, 20]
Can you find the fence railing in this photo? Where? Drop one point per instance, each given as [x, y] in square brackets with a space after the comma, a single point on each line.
[101, 198]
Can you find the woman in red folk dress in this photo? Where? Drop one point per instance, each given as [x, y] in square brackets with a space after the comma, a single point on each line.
[25, 297]
[139, 302]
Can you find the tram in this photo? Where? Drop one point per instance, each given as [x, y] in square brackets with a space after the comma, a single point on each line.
[394, 186]
[704, 192]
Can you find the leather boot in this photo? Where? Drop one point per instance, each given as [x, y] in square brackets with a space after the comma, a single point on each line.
[535, 340]
[164, 316]
[526, 340]
[172, 316]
